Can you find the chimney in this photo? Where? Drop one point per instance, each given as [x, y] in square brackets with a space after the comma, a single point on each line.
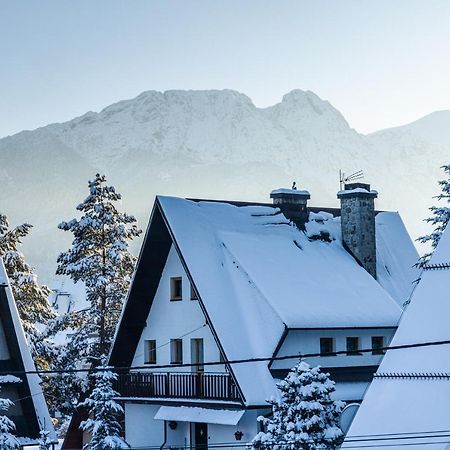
[358, 224]
[293, 204]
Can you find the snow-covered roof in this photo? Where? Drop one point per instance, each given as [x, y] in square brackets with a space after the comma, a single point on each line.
[413, 407]
[299, 192]
[36, 394]
[256, 274]
[199, 415]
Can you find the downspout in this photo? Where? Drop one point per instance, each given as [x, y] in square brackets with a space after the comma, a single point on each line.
[165, 436]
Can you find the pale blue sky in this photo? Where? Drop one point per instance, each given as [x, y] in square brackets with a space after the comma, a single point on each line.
[380, 62]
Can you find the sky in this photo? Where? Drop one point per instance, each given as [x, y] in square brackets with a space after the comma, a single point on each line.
[382, 63]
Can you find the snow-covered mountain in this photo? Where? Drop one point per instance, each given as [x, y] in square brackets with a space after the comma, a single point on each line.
[212, 144]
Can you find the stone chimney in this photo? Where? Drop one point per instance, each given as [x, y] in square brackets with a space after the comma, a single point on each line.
[293, 204]
[358, 224]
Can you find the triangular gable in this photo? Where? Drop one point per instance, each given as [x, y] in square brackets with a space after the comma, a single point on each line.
[409, 399]
[151, 262]
[34, 416]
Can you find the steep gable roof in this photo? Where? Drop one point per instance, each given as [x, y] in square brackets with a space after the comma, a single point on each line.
[30, 396]
[256, 274]
[409, 400]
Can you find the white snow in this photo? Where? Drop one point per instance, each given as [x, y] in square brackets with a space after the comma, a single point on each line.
[5, 379]
[257, 274]
[299, 192]
[199, 415]
[411, 405]
[357, 191]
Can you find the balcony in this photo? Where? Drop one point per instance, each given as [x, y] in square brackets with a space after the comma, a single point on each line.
[202, 386]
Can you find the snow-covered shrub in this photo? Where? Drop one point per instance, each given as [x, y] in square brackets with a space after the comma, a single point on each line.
[7, 440]
[104, 411]
[304, 417]
[439, 218]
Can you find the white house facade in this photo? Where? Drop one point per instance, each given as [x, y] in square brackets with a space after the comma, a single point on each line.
[227, 296]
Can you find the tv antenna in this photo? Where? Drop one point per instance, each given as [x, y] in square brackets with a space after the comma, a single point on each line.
[343, 179]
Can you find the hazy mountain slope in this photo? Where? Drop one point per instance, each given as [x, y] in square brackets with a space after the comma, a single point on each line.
[211, 144]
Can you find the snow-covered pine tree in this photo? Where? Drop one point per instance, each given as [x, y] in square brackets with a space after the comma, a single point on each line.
[31, 298]
[104, 412]
[439, 218]
[7, 439]
[99, 257]
[45, 443]
[304, 417]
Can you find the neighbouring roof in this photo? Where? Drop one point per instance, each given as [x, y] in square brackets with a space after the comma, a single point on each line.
[409, 400]
[32, 400]
[257, 274]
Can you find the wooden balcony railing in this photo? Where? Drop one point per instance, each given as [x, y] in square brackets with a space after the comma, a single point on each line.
[206, 386]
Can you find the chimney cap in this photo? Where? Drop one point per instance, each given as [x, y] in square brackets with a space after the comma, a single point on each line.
[357, 190]
[292, 194]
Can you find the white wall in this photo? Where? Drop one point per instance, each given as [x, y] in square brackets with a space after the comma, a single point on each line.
[173, 319]
[308, 341]
[142, 430]
[140, 427]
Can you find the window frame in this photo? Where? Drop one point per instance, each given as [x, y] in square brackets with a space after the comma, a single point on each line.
[176, 351]
[150, 355]
[194, 295]
[329, 339]
[198, 354]
[376, 351]
[173, 288]
[356, 351]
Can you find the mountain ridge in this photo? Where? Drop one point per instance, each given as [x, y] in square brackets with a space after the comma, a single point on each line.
[212, 143]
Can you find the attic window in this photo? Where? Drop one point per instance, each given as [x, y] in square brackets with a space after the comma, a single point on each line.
[377, 345]
[194, 295]
[326, 346]
[353, 346]
[176, 289]
[150, 351]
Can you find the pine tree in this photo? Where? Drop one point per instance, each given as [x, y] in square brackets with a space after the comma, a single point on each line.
[99, 257]
[439, 218]
[7, 439]
[45, 442]
[31, 298]
[104, 412]
[304, 417]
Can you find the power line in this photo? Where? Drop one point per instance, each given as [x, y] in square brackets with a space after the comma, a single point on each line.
[231, 362]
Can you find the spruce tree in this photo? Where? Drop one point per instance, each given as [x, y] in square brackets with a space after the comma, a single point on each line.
[304, 417]
[99, 257]
[30, 297]
[104, 412]
[439, 218]
[7, 439]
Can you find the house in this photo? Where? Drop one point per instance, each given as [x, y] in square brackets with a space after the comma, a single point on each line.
[29, 412]
[220, 281]
[408, 402]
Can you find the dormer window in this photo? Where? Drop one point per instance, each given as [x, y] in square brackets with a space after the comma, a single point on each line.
[326, 346]
[176, 289]
[377, 345]
[353, 346]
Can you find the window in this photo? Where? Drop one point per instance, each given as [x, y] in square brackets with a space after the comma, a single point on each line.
[150, 352]
[197, 355]
[326, 346]
[176, 291]
[193, 293]
[176, 351]
[377, 345]
[353, 346]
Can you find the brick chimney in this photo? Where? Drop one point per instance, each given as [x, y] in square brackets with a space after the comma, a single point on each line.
[293, 204]
[358, 224]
